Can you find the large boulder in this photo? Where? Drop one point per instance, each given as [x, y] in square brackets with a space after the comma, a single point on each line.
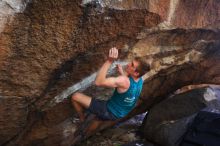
[166, 122]
[49, 46]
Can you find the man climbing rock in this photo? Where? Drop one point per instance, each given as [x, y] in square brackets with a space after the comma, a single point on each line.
[128, 86]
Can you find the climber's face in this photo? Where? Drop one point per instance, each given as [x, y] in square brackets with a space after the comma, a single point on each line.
[131, 68]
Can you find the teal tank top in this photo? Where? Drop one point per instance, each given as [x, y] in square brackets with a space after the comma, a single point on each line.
[120, 104]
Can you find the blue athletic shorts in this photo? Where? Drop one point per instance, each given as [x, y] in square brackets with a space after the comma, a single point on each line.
[99, 108]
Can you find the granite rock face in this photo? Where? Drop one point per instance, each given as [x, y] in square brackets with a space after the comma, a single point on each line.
[51, 39]
[48, 46]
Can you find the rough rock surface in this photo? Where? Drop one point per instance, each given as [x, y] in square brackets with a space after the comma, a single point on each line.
[13, 117]
[45, 44]
[197, 14]
[177, 112]
[181, 57]
[48, 46]
[174, 13]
